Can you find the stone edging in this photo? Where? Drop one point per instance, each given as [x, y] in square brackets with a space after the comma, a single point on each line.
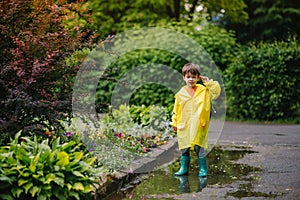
[157, 157]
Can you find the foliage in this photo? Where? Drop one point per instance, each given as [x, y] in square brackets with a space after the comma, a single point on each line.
[149, 115]
[263, 82]
[223, 12]
[35, 81]
[115, 139]
[114, 16]
[268, 20]
[219, 46]
[147, 93]
[40, 170]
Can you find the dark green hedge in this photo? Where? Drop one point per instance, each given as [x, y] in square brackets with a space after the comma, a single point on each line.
[217, 42]
[263, 82]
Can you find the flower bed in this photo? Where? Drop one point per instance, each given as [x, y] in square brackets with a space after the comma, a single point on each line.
[116, 139]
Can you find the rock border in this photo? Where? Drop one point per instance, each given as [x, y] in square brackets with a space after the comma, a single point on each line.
[157, 157]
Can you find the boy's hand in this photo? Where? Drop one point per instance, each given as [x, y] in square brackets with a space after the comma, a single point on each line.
[174, 129]
[204, 79]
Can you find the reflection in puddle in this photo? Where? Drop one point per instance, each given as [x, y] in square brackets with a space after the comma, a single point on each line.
[185, 186]
[163, 185]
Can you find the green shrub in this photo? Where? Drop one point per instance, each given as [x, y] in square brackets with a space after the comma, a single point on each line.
[219, 47]
[263, 83]
[33, 170]
[156, 116]
[220, 44]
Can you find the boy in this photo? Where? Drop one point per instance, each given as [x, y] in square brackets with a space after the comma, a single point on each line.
[191, 116]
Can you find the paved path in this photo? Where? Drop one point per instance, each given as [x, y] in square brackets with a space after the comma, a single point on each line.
[278, 154]
[277, 150]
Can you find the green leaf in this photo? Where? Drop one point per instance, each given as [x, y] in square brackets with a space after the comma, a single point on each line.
[77, 173]
[52, 157]
[46, 187]
[59, 174]
[67, 145]
[59, 196]
[55, 144]
[28, 140]
[49, 178]
[78, 186]
[34, 190]
[88, 189]
[34, 162]
[18, 135]
[78, 155]
[90, 161]
[56, 168]
[23, 155]
[69, 186]
[60, 193]
[5, 179]
[32, 168]
[22, 182]
[63, 159]
[16, 192]
[59, 181]
[37, 176]
[6, 155]
[25, 173]
[6, 197]
[74, 194]
[27, 187]
[42, 197]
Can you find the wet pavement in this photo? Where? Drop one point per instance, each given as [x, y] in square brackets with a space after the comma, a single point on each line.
[250, 161]
[278, 155]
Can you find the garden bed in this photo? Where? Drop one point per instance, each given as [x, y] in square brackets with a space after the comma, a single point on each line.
[158, 156]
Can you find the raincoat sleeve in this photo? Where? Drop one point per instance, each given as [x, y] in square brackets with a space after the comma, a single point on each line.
[214, 88]
[175, 113]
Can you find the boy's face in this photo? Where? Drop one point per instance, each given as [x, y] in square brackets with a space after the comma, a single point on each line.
[191, 79]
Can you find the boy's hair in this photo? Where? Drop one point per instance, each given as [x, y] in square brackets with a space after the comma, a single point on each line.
[191, 68]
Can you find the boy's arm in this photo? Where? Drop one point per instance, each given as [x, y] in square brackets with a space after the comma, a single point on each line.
[214, 88]
[174, 115]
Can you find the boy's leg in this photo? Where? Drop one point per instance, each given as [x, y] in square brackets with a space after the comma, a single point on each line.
[203, 171]
[184, 162]
[185, 152]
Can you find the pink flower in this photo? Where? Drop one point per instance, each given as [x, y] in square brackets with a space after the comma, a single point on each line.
[131, 171]
[69, 134]
[144, 149]
[119, 135]
[130, 195]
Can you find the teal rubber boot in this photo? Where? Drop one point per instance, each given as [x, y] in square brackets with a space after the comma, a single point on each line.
[202, 183]
[184, 166]
[203, 171]
[184, 184]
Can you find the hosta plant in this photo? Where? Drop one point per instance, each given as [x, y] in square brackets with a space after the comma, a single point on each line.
[39, 170]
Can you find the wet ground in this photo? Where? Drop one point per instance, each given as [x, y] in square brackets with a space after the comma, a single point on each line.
[253, 161]
[162, 184]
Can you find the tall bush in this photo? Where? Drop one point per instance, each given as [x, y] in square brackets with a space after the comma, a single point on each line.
[35, 82]
[263, 82]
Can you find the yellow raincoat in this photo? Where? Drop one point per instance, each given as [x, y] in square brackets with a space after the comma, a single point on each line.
[191, 114]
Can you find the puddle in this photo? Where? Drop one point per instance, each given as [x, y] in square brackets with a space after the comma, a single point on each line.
[246, 190]
[162, 184]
